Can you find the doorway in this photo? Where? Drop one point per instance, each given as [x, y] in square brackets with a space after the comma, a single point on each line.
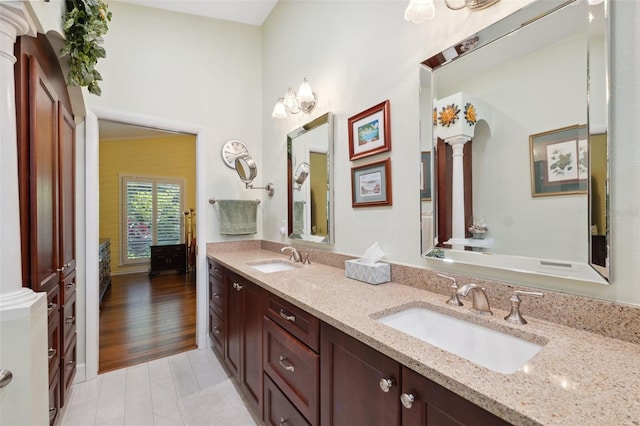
[92, 225]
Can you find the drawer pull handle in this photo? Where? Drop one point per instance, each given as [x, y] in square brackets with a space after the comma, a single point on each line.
[70, 365]
[216, 330]
[286, 315]
[386, 384]
[286, 364]
[407, 400]
[282, 421]
[70, 320]
[216, 270]
[51, 307]
[237, 286]
[216, 295]
[52, 413]
[70, 285]
[52, 352]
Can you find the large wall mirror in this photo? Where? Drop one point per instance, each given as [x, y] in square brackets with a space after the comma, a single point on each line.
[514, 144]
[310, 174]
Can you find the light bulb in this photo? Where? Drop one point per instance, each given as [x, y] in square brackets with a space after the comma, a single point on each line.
[290, 101]
[418, 11]
[279, 111]
[305, 94]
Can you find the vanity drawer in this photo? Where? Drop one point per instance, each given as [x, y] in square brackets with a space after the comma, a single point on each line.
[278, 410]
[215, 269]
[68, 288]
[216, 294]
[68, 370]
[293, 367]
[54, 350]
[216, 332]
[301, 324]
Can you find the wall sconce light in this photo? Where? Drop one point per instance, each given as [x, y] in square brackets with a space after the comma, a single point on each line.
[293, 103]
[418, 11]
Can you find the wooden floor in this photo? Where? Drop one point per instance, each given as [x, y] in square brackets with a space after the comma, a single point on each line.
[144, 318]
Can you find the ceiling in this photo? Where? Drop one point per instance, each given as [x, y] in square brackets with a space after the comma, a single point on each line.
[252, 12]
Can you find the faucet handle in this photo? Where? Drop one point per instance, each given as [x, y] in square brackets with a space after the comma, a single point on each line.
[453, 299]
[514, 316]
[305, 259]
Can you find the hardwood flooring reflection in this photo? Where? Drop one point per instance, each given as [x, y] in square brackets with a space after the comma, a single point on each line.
[143, 319]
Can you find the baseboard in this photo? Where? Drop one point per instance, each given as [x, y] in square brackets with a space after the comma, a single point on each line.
[81, 373]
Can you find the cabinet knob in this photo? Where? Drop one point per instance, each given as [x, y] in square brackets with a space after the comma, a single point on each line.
[385, 384]
[286, 364]
[52, 352]
[286, 315]
[51, 307]
[69, 320]
[237, 286]
[282, 421]
[407, 400]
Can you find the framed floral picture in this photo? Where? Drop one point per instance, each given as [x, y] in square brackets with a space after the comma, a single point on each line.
[559, 161]
[370, 131]
[371, 184]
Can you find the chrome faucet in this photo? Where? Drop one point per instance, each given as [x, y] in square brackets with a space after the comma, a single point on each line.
[295, 254]
[479, 300]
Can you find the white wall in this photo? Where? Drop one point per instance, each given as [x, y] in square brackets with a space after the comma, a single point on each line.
[357, 54]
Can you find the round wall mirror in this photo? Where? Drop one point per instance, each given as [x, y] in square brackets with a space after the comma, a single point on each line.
[246, 168]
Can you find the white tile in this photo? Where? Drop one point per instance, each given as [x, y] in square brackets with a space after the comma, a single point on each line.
[139, 409]
[159, 369]
[165, 399]
[183, 375]
[85, 391]
[163, 421]
[216, 405]
[80, 413]
[208, 372]
[112, 396]
[115, 422]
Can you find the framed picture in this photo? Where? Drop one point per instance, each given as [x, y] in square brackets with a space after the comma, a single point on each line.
[425, 176]
[370, 131]
[371, 184]
[559, 161]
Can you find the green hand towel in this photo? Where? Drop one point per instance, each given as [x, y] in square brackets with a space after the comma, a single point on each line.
[238, 217]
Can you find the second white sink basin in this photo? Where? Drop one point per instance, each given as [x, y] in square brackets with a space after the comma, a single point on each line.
[275, 265]
[486, 347]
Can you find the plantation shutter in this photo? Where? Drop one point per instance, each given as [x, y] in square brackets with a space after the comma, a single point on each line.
[153, 215]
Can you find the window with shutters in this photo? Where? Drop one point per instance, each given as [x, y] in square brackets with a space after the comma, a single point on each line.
[152, 214]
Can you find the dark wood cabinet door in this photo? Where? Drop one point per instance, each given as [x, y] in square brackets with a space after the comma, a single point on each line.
[251, 376]
[350, 374]
[43, 144]
[278, 410]
[434, 405]
[233, 324]
[67, 189]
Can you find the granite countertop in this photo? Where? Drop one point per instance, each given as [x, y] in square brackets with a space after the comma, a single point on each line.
[577, 378]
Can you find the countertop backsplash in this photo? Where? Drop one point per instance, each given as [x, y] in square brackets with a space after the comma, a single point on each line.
[603, 317]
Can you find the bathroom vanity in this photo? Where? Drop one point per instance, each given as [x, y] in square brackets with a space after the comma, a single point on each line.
[305, 346]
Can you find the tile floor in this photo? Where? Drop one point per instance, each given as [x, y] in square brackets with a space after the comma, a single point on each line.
[190, 388]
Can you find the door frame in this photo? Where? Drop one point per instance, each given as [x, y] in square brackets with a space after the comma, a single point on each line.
[92, 225]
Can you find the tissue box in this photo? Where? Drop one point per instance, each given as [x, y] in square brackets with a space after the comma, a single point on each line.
[376, 273]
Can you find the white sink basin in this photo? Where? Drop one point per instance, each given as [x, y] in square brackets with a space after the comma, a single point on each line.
[276, 265]
[486, 347]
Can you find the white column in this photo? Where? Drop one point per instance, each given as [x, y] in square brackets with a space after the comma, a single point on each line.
[23, 313]
[457, 183]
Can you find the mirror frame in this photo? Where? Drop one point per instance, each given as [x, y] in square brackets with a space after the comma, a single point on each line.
[327, 119]
[528, 14]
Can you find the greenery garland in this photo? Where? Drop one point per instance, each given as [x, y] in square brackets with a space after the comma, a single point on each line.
[84, 25]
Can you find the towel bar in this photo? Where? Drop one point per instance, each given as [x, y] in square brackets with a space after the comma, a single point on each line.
[213, 201]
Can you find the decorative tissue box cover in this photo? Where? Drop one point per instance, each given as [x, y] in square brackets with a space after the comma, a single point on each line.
[376, 273]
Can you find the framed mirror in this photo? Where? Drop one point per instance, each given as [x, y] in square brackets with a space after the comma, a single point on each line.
[515, 127]
[310, 177]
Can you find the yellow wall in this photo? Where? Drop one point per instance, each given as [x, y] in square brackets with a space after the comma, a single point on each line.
[172, 156]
